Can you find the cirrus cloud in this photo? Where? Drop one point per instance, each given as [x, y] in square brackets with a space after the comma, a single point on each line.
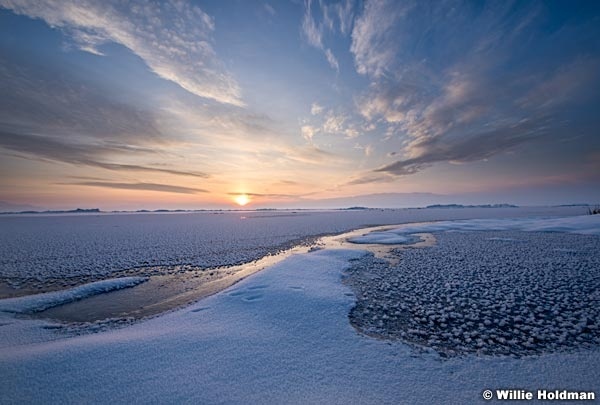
[485, 92]
[172, 37]
[163, 188]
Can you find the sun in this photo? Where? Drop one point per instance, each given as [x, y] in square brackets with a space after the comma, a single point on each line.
[242, 199]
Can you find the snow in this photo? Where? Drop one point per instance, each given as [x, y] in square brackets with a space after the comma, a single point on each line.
[40, 302]
[280, 336]
[582, 224]
[94, 247]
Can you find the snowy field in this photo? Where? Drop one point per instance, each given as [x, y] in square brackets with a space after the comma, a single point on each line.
[284, 335]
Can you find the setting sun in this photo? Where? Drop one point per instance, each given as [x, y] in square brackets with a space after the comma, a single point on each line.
[242, 199]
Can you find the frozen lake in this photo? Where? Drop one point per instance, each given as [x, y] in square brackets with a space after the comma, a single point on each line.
[94, 247]
[493, 304]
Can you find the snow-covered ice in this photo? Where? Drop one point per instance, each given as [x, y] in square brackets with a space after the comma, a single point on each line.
[527, 288]
[85, 248]
[581, 224]
[280, 336]
[486, 292]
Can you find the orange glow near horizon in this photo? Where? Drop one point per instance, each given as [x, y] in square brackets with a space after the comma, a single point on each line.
[242, 199]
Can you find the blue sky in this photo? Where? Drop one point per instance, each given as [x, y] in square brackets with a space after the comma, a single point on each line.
[146, 104]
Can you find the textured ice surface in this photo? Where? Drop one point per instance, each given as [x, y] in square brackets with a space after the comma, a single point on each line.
[40, 302]
[281, 336]
[581, 224]
[493, 293]
[94, 246]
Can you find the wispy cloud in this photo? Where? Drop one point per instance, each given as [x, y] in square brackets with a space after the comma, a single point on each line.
[308, 132]
[563, 85]
[51, 149]
[464, 100]
[334, 123]
[163, 188]
[249, 139]
[267, 195]
[338, 15]
[345, 13]
[40, 100]
[269, 8]
[373, 40]
[467, 148]
[370, 178]
[367, 149]
[316, 109]
[311, 154]
[313, 33]
[391, 89]
[46, 116]
[172, 37]
[331, 123]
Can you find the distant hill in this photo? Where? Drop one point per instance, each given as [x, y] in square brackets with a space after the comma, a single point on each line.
[472, 206]
[6, 206]
[75, 211]
[380, 200]
[395, 200]
[572, 205]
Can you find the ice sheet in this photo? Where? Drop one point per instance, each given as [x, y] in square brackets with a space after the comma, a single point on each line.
[281, 336]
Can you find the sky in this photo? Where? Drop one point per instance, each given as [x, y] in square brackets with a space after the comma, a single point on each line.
[210, 104]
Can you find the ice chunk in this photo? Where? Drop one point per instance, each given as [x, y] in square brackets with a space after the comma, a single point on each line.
[40, 302]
